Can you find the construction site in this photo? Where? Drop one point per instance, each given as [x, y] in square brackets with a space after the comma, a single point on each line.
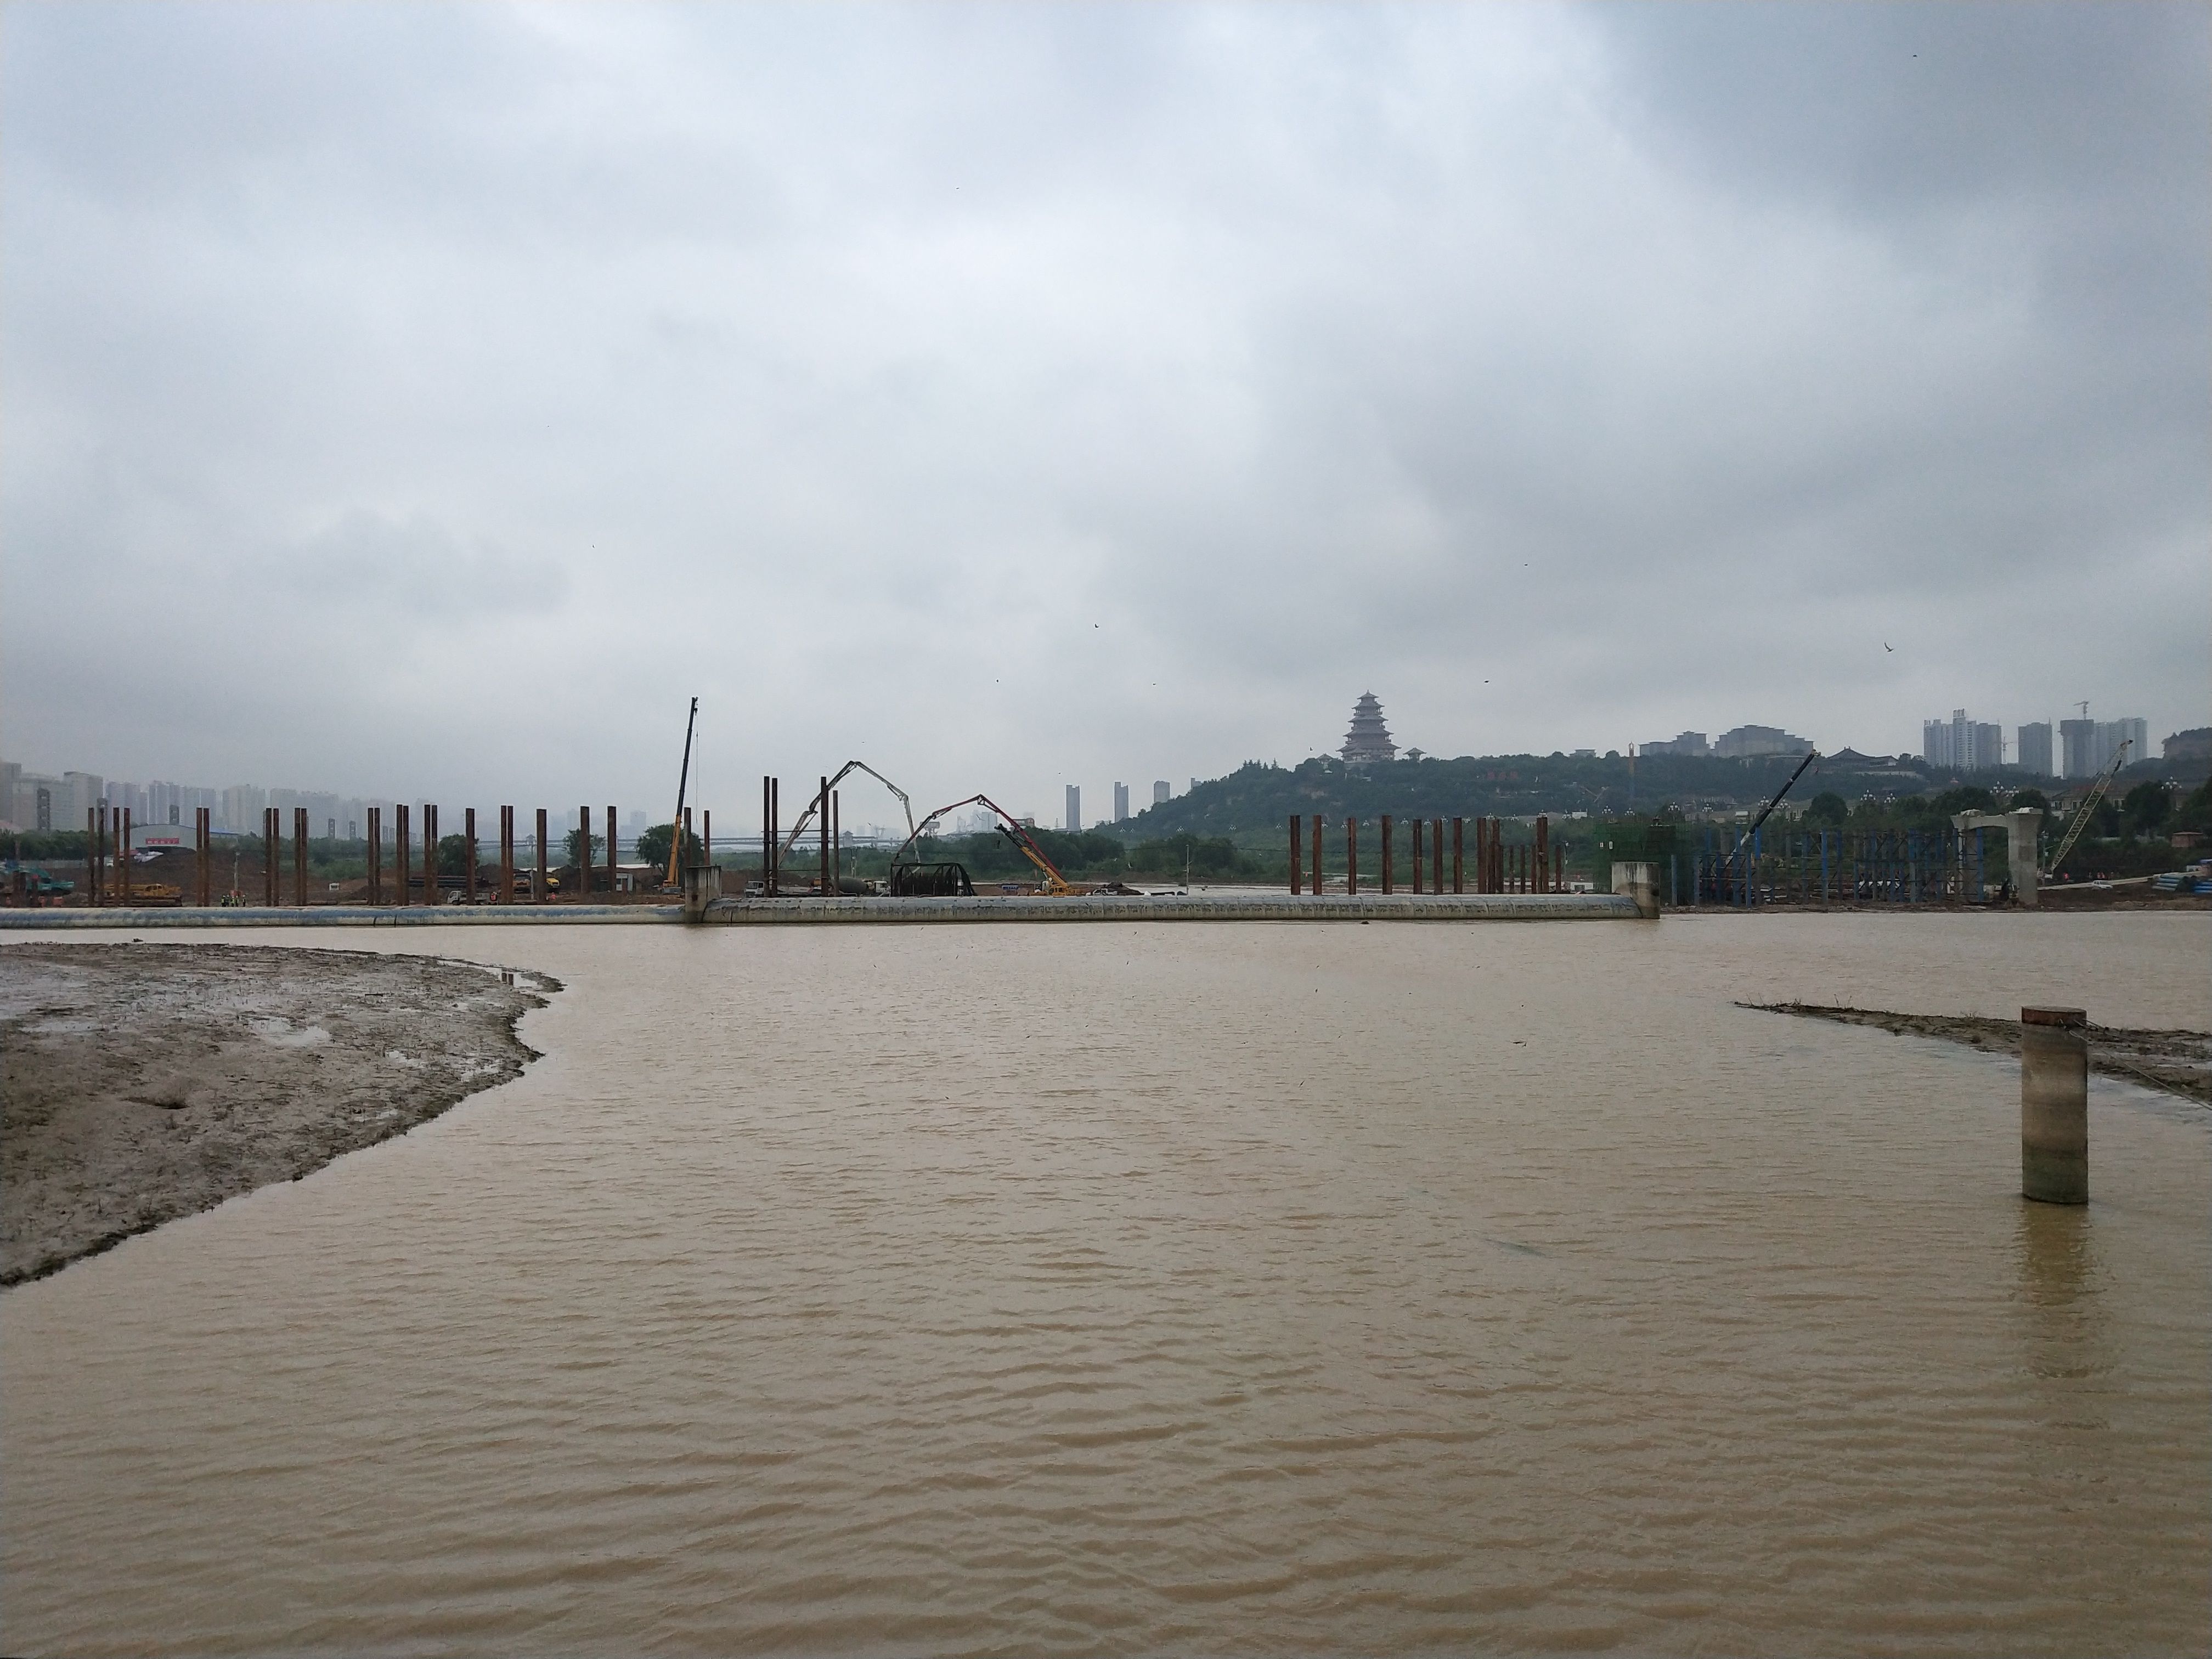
[414, 866]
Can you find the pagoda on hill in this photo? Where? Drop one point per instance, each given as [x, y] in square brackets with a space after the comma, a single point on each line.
[1368, 743]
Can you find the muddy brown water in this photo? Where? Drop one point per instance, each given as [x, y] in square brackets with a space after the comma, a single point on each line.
[1113, 1289]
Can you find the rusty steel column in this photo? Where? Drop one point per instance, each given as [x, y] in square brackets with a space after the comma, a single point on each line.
[507, 855]
[1386, 852]
[614, 874]
[767, 833]
[402, 855]
[1436, 855]
[1459, 855]
[774, 849]
[1543, 861]
[429, 854]
[92, 856]
[299, 856]
[200, 860]
[584, 853]
[469, 862]
[836, 838]
[1298, 857]
[1418, 831]
[123, 857]
[822, 868]
[375, 827]
[1352, 856]
[539, 888]
[268, 857]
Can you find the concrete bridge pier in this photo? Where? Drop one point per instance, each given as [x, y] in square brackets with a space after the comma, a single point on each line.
[1640, 882]
[2054, 1105]
[2022, 827]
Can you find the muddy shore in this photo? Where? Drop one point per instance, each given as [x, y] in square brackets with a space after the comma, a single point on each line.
[2178, 1061]
[140, 1083]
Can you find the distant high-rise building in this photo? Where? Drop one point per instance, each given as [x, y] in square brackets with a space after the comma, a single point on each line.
[1074, 809]
[1985, 746]
[1368, 743]
[2077, 742]
[2034, 754]
[2136, 733]
[1687, 742]
[1752, 740]
[1966, 745]
[1121, 803]
[1160, 792]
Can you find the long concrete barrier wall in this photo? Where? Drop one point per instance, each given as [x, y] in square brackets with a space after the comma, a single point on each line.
[1278, 907]
[758, 912]
[336, 916]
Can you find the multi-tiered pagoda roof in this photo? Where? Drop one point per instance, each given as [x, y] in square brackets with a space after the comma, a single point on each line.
[1368, 743]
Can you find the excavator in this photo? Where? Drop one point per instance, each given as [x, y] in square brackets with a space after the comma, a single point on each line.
[1009, 826]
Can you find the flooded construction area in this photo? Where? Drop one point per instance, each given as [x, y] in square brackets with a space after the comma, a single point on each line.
[1234, 1286]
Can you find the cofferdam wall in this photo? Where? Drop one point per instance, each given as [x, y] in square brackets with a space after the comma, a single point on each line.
[1178, 907]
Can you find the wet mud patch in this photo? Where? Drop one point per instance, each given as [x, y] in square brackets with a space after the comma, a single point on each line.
[140, 1083]
[2178, 1062]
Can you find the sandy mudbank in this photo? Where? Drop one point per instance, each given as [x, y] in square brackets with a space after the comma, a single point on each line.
[2179, 1062]
[139, 1083]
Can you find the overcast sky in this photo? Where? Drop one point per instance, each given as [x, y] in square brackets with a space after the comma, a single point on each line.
[430, 399]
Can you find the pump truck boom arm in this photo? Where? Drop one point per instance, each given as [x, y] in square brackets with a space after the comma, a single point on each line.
[1767, 811]
[682, 781]
[1012, 828]
[819, 804]
[2089, 804]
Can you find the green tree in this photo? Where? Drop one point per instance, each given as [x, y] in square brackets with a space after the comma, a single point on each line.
[2147, 805]
[2029, 797]
[2195, 812]
[653, 846]
[452, 855]
[1829, 808]
[569, 847]
[1969, 798]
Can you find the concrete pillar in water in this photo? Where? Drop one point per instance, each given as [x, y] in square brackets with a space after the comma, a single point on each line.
[1640, 882]
[2054, 1105]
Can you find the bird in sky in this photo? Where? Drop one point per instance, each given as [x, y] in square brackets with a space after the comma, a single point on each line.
[1886, 646]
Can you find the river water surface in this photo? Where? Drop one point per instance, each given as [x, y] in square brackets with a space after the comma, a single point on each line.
[1251, 1288]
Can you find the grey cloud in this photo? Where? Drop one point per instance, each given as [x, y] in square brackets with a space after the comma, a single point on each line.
[1024, 395]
